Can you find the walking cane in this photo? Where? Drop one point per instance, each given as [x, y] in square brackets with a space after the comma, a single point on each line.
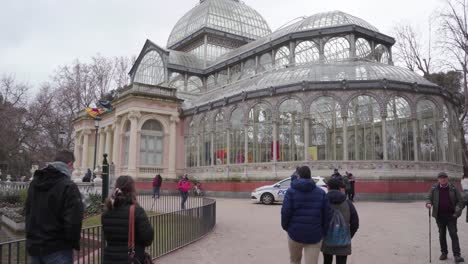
[430, 255]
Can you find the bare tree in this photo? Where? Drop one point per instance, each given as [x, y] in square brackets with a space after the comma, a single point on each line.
[410, 51]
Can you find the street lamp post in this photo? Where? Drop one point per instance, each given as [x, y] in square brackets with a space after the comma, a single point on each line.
[96, 125]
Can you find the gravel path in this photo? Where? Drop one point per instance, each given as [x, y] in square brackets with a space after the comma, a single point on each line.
[390, 232]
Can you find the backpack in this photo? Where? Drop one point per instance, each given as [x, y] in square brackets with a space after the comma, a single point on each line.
[339, 234]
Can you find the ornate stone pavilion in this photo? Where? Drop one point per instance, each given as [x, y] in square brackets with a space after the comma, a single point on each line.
[230, 99]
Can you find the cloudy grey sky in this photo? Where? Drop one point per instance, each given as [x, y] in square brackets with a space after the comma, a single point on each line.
[37, 36]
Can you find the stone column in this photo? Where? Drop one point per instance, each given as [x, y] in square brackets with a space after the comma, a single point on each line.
[212, 154]
[76, 152]
[228, 145]
[101, 141]
[275, 139]
[292, 53]
[440, 136]
[415, 139]
[108, 149]
[84, 154]
[246, 144]
[306, 137]
[132, 154]
[345, 138]
[384, 137]
[116, 155]
[173, 146]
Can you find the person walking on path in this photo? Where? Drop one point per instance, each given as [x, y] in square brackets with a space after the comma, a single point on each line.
[346, 208]
[336, 175]
[447, 205]
[349, 186]
[157, 182]
[184, 187]
[115, 220]
[305, 215]
[54, 213]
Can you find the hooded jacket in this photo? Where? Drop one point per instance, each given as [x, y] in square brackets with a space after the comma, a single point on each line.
[338, 201]
[54, 211]
[305, 213]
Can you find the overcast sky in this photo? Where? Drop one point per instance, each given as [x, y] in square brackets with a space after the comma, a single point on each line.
[37, 36]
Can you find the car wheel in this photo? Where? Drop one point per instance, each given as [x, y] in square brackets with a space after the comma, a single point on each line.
[267, 198]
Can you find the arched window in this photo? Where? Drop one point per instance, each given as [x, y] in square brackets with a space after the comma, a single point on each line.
[325, 128]
[259, 134]
[205, 141]
[399, 130]
[249, 68]
[126, 143]
[191, 146]
[336, 49]
[291, 131]
[210, 82]
[152, 144]
[220, 140]
[177, 81]
[150, 70]
[366, 127]
[445, 136]
[194, 84]
[306, 52]
[282, 57]
[363, 48]
[455, 136]
[237, 137]
[427, 131]
[265, 62]
[381, 54]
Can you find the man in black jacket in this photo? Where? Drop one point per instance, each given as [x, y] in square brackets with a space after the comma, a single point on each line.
[54, 213]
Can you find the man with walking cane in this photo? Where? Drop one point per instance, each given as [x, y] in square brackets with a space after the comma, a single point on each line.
[447, 205]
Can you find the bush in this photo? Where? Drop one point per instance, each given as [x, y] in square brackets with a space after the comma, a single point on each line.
[94, 206]
[11, 197]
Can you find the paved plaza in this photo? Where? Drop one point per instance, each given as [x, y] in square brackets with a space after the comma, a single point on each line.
[390, 232]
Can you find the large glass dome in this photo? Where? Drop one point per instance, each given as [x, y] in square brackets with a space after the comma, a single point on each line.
[229, 16]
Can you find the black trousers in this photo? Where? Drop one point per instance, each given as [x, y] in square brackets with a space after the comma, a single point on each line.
[449, 223]
[328, 259]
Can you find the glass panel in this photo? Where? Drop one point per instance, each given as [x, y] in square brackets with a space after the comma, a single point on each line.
[291, 132]
[152, 137]
[235, 72]
[249, 68]
[363, 48]
[399, 130]
[336, 49]
[265, 62]
[210, 82]
[282, 57]
[326, 130]
[428, 131]
[177, 80]
[222, 78]
[259, 133]
[205, 147]
[237, 137]
[151, 69]
[365, 126]
[194, 84]
[381, 54]
[307, 52]
[220, 140]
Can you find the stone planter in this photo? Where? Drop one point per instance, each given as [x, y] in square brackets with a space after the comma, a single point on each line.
[12, 224]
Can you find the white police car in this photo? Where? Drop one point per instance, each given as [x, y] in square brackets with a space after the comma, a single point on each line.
[269, 194]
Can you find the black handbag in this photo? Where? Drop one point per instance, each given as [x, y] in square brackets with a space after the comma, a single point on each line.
[131, 240]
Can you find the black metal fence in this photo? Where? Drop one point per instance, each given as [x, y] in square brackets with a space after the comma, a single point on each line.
[173, 229]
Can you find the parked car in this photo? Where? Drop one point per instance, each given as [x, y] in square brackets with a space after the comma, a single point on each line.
[269, 194]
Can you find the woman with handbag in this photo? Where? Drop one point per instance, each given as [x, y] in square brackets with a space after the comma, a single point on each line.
[126, 228]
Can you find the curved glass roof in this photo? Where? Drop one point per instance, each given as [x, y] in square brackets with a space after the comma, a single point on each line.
[317, 21]
[320, 72]
[229, 16]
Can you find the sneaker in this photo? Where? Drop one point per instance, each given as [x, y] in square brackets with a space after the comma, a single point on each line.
[443, 256]
[458, 259]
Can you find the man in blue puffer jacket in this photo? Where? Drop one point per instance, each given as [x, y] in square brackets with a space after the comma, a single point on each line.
[305, 215]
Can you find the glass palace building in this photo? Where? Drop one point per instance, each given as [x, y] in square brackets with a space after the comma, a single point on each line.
[230, 100]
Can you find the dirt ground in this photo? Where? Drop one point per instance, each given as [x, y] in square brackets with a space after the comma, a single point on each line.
[390, 232]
